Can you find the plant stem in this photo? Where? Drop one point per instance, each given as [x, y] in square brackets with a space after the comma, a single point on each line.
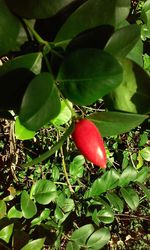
[65, 171]
[51, 151]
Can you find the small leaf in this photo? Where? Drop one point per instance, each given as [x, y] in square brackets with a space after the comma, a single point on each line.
[145, 153]
[76, 167]
[3, 209]
[21, 132]
[111, 179]
[14, 213]
[131, 197]
[35, 244]
[28, 207]
[114, 123]
[115, 201]
[128, 175]
[98, 187]
[98, 239]
[6, 233]
[40, 103]
[44, 191]
[88, 74]
[68, 205]
[142, 175]
[106, 216]
[81, 234]
[72, 246]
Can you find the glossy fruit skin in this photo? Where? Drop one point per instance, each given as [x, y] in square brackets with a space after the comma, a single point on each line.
[89, 142]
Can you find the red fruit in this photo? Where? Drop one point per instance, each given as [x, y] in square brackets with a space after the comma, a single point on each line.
[89, 141]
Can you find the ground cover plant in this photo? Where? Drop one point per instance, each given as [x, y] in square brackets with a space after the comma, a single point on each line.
[69, 71]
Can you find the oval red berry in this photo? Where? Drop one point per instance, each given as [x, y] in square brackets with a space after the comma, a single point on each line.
[89, 142]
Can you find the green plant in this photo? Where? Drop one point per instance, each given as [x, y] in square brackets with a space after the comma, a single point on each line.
[68, 60]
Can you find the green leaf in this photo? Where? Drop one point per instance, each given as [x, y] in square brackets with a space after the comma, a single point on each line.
[98, 239]
[35, 244]
[131, 197]
[98, 187]
[143, 139]
[9, 29]
[111, 179]
[72, 246]
[136, 54]
[58, 213]
[132, 95]
[76, 167]
[81, 234]
[28, 206]
[92, 14]
[31, 61]
[142, 175]
[3, 209]
[14, 213]
[37, 8]
[106, 216]
[145, 190]
[115, 201]
[21, 132]
[65, 114]
[123, 40]
[88, 74]
[68, 205]
[114, 123]
[145, 153]
[44, 191]
[15, 76]
[6, 233]
[55, 173]
[40, 103]
[128, 175]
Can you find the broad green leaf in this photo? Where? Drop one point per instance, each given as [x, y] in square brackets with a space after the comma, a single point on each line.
[3, 209]
[142, 175]
[21, 132]
[115, 123]
[76, 167]
[14, 213]
[131, 197]
[40, 103]
[15, 76]
[145, 153]
[6, 233]
[9, 29]
[115, 202]
[72, 246]
[128, 175]
[106, 216]
[98, 239]
[31, 61]
[81, 234]
[132, 95]
[123, 40]
[28, 206]
[58, 213]
[35, 244]
[37, 8]
[143, 139]
[44, 191]
[65, 114]
[88, 74]
[92, 14]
